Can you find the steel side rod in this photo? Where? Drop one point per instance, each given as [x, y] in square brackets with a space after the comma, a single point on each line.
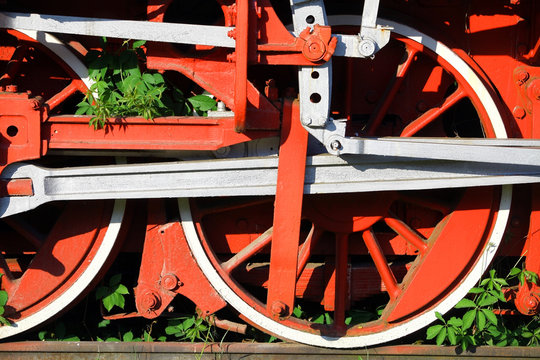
[248, 177]
[287, 213]
[481, 151]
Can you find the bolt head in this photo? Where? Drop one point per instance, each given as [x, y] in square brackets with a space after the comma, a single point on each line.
[150, 301]
[519, 112]
[279, 309]
[366, 47]
[314, 49]
[335, 145]
[169, 282]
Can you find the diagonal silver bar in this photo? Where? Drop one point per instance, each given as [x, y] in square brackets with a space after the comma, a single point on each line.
[496, 151]
[253, 176]
[144, 30]
[123, 29]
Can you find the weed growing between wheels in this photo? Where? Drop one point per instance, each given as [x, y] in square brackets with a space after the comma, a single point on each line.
[478, 320]
[121, 89]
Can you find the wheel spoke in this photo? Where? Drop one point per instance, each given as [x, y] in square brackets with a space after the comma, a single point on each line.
[26, 230]
[342, 281]
[247, 252]
[305, 250]
[74, 86]
[407, 233]
[387, 276]
[390, 93]
[429, 116]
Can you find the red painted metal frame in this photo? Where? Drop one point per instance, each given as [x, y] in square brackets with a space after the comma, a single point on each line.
[168, 268]
[287, 212]
[182, 133]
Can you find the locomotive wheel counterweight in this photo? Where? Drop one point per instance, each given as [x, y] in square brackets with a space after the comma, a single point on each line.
[52, 255]
[435, 271]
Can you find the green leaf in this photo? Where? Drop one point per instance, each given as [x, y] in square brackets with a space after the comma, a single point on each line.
[158, 79]
[441, 337]
[108, 302]
[297, 311]
[202, 102]
[490, 316]
[439, 316]
[119, 300]
[452, 336]
[137, 44]
[148, 78]
[42, 334]
[514, 271]
[488, 300]
[3, 297]
[172, 330]
[476, 290]
[481, 320]
[103, 323]
[121, 289]
[189, 322]
[433, 331]
[328, 318]
[468, 318]
[127, 337]
[113, 339]
[456, 322]
[71, 338]
[115, 280]
[319, 319]
[465, 303]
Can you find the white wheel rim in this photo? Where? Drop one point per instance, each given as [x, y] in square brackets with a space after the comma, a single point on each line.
[109, 239]
[425, 318]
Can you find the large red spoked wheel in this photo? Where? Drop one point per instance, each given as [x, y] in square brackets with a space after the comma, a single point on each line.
[51, 255]
[406, 254]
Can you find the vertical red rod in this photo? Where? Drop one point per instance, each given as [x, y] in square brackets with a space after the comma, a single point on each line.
[287, 212]
[342, 280]
[240, 80]
[381, 264]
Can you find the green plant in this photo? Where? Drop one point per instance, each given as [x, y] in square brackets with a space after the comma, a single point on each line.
[112, 294]
[121, 89]
[479, 324]
[190, 328]
[3, 302]
[57, 333]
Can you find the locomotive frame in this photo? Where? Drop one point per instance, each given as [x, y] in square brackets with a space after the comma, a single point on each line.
[396, 196]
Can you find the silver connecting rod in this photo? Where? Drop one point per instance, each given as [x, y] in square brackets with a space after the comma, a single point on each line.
[123, 29]
[144, 30]
[253, 176]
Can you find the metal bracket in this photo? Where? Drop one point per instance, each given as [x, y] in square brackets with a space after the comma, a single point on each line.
[373, 37]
